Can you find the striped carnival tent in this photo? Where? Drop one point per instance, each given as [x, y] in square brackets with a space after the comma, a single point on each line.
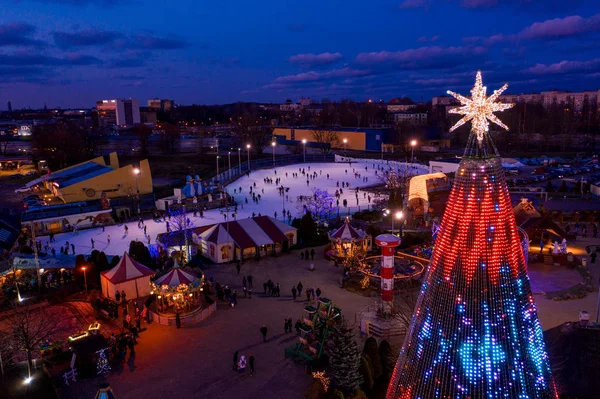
[175, 277]
[129, 276]
[347, 240]
[347, 233]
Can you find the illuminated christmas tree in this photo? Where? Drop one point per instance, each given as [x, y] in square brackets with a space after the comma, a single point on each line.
[475, 332]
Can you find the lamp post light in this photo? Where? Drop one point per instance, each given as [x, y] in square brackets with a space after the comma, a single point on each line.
[345, 147]
[399, 215]
[304, 144]
[239, 160]
[273, 146]
[248, 148]
[413, 143]
[136, 172]
[85, 278]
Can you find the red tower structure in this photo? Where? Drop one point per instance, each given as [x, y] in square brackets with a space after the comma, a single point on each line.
[387, 243]
[475, 332]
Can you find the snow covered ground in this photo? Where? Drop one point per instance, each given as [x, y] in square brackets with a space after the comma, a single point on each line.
[270, 202]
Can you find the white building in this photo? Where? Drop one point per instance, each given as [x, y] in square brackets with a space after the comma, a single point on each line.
[120, 112]
[289, 106]
[304, 101]
[411, 118]
[566, 97]
[400, 107]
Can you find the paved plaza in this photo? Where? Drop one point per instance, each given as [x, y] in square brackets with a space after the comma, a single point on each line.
[196, 361]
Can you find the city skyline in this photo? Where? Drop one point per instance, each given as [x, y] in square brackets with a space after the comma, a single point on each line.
[70, 53]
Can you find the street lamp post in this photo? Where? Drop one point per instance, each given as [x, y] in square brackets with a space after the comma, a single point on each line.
[85, 278]
[137, 172]
[239, 160]
[413, 143]
[345, 147]
[304, 144]
[248, 148]
[217, 177]
[273, 145]
[229, 163]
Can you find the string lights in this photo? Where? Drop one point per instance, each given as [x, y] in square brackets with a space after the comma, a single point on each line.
[479, 108]
[475, 332]
[320, 375]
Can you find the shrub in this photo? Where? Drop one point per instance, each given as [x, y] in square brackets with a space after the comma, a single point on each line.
[372, 351]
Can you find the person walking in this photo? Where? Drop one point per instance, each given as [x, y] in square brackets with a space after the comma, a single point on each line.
[251, 363]
[299, 286]
[301, 255]
[294, 292]
[118, 297]
[123, 296]
[108, 239]
[242, 365]
[263, 331]
[308, 295]
[92, 240]
[285, 326]
[297, 325]
[250, 278]
[177, 320]
[235, 360]
[244, 281]
[312, 254]
[238, 266]
[318, 292]
[306, 255]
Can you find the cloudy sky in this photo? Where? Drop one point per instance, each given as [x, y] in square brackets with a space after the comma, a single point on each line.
[70, 53]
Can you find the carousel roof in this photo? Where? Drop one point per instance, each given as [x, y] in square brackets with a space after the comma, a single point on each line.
[175, 277]
[127, 269]
[347, 232]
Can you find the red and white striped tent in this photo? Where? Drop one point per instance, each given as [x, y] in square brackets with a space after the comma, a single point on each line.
[347, 233]
[175, 277]
[129, 276]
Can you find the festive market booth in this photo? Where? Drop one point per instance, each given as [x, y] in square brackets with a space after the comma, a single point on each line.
[348, 241]
[177, 291]
[418, 194]
[215, 243]
[129, 276]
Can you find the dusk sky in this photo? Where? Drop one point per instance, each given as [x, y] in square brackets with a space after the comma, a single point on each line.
[70, 53]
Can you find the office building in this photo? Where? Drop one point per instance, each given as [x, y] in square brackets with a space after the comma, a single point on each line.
[120, 112]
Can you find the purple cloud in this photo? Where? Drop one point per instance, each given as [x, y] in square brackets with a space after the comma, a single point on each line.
[565, 67]
[562, 27]
[489, 41]
[479, 3]
[31, 59]
[85, 38]
[313, 76]
[309, 60]
[150, 42]
[17, 34]
[415, 4]
[421, 58]
[430, 39]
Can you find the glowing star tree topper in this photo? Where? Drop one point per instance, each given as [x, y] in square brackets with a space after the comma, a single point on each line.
[479, 109]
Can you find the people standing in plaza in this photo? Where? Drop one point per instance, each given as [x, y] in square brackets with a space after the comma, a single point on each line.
[108, 239]
[308, 295]
[244, 281]
[251, 363]
[263, 331]
[118, 297]
[299, 287]
[92, 240]
[318, 293]
[123, 296]
[250, 278]
[177, 320]
[312, 254]
[238, 266]
[297, 325]
[306, 255]
[235, 360]
[294, 293]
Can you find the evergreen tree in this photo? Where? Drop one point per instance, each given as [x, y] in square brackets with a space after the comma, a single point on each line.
[563, 187]
[307, 229]
[388, 359]
[372, 351]
[549, 186]
[344, 360]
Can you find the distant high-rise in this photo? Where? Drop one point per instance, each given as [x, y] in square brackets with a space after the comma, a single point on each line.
[156, 104]
[121, 112]
[9, 106]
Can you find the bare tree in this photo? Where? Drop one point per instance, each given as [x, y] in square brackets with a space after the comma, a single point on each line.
[328, 138]
[29, 328]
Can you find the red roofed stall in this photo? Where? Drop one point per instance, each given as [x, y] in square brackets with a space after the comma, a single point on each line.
[129, 276]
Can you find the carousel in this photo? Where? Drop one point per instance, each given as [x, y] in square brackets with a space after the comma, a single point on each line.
[177, 292]
[348, 242]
